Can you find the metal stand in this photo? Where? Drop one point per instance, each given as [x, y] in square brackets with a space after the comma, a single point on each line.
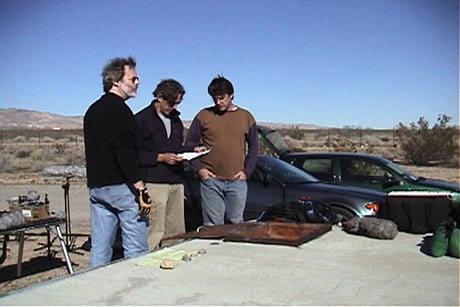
[64, 250]
[70, 238]
[68, 227]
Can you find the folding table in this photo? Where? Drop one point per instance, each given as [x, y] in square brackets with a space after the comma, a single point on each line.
[47, 223]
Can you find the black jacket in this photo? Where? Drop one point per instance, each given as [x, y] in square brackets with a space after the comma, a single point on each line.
[111, 155]
[152, 140]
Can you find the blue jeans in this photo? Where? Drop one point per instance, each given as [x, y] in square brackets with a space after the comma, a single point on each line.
[111, 206]
[223, 200]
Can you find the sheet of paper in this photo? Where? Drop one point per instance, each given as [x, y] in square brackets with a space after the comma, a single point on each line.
[154, 259]
[192, 155]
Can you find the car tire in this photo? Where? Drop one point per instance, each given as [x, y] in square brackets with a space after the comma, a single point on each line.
[347, 214]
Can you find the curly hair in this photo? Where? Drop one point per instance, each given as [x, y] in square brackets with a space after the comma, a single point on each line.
[115, 70]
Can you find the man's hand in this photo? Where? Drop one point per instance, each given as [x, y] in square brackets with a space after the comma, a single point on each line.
[205, 174]
[240, 176]
[145, 202]
[169, 158]
[139, 185]
[199, 149]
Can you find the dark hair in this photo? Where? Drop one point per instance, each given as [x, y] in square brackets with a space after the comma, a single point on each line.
[115, 70]
[219, 86]
[169, 89]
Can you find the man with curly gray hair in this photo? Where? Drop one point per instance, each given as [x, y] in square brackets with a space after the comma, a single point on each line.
[112, 164]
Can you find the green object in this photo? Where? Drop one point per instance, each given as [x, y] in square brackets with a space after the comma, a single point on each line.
[455, 205]
[456, 200]
[440, 241]
[454, 248]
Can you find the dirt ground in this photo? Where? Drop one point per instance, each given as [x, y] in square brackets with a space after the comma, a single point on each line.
[37, 267]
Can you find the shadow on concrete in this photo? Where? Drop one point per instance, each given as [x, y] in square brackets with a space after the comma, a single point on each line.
[425, 244]
[117, 246]
[31, 267]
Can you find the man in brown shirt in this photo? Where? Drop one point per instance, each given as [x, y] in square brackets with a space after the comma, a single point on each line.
[230, 132]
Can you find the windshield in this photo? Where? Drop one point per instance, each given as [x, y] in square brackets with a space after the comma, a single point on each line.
[402, 172]
[273, 140]
[283, 171]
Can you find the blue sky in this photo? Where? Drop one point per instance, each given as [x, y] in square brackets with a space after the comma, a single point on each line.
[363, 63]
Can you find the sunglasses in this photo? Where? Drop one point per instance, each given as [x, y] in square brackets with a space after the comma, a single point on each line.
[170, 103]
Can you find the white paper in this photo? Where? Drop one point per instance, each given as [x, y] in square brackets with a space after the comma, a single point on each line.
[192, 155]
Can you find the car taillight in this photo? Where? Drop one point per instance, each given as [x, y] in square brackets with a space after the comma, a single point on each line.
[373, 206]
[304, 197]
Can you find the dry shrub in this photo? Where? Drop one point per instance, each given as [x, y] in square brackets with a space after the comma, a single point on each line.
[44, 153]
[342, 144]
[75, 139]
[388, 153]
[22, 158]
[16, 165]
[9, 150]
[59, 148]
[294, 133]
[294, 144]
[423, 145]
[23, 153]
[74, 157]
[453, 162]
[2, 164]
[369, 140]
[20, 139]
[47, 139]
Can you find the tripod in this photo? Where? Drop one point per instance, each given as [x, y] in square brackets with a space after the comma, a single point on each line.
[70, 241]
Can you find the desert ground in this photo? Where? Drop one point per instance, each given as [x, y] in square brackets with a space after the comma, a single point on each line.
[37, 267]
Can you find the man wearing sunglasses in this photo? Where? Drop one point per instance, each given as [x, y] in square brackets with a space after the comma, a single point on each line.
[160, 141]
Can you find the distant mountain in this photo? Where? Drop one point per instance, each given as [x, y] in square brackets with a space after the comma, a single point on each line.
[274, 125]
[12, 118]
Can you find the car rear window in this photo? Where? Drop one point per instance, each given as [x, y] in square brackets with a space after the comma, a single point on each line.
[321, 168]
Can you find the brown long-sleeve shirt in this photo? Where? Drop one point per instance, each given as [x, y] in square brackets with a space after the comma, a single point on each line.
[228, 135]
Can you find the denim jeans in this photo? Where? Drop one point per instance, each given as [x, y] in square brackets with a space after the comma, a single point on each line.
[223, 200]
[112, 206]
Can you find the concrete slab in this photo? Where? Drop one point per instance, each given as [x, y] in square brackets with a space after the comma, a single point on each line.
[334, 269]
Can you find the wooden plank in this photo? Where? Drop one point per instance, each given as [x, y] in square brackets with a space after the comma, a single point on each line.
[280, 233]
[258, 232]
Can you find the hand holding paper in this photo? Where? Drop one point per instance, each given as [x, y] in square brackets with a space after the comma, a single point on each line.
[192, 155]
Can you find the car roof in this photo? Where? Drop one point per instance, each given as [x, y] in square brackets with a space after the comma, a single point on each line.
[338, 154]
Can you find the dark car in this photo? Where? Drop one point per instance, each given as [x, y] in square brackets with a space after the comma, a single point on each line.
[275, 182]
[353, 169]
